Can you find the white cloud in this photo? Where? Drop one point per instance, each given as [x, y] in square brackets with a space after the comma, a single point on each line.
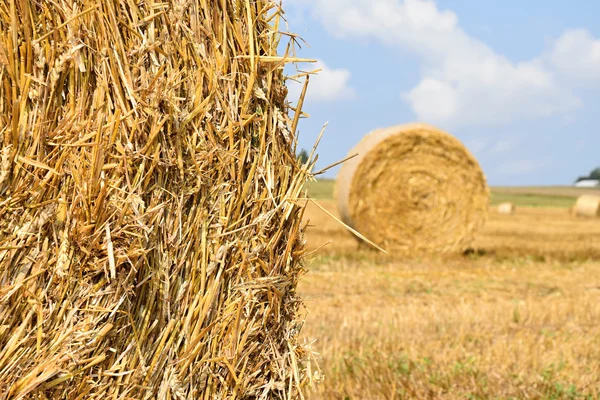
[576, 54]
[328, 85]
[464, 81]
[434, 99]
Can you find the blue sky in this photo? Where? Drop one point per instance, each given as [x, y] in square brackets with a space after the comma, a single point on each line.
[517, 82]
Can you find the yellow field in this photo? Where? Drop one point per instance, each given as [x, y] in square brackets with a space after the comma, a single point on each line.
[518, 317]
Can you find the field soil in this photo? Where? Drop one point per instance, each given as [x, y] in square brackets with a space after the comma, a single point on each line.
[516, 317]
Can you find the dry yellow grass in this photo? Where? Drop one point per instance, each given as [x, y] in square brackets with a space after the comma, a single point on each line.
[518, 317]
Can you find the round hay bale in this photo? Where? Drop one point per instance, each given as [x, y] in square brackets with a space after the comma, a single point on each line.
[587, 205]
[413, 188]
[506, 208]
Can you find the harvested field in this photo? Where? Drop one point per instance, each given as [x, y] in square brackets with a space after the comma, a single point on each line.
[557, 196]
[516, 317]
[551, 191]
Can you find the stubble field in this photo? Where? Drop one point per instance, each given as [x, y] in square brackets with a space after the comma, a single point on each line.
[517, 317]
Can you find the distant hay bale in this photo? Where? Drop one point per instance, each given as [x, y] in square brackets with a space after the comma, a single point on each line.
[413, 188]
[587, 205]
[150, 233]
[506, 208]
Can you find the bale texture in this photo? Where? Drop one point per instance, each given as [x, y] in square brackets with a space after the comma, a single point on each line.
[150, 237]
[413, 188]
[506, 208]
[587, 205]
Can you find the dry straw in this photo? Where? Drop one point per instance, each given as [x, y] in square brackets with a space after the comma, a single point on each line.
[413, 188]
[151, 239]
[506, 208]
[587, 205]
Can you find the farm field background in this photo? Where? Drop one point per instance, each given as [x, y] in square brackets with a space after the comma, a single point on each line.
[531, 196]
[517, 317]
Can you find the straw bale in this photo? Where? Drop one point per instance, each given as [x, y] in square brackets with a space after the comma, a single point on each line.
[150, 237]
[413, 188]
[506, 208]
[587, 205]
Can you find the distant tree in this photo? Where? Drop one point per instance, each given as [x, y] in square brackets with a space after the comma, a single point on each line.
[303, 156]
[595, 174]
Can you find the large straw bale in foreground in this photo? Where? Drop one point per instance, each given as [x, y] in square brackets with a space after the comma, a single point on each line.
[587, 205]
[413, 188]
[150, 243]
